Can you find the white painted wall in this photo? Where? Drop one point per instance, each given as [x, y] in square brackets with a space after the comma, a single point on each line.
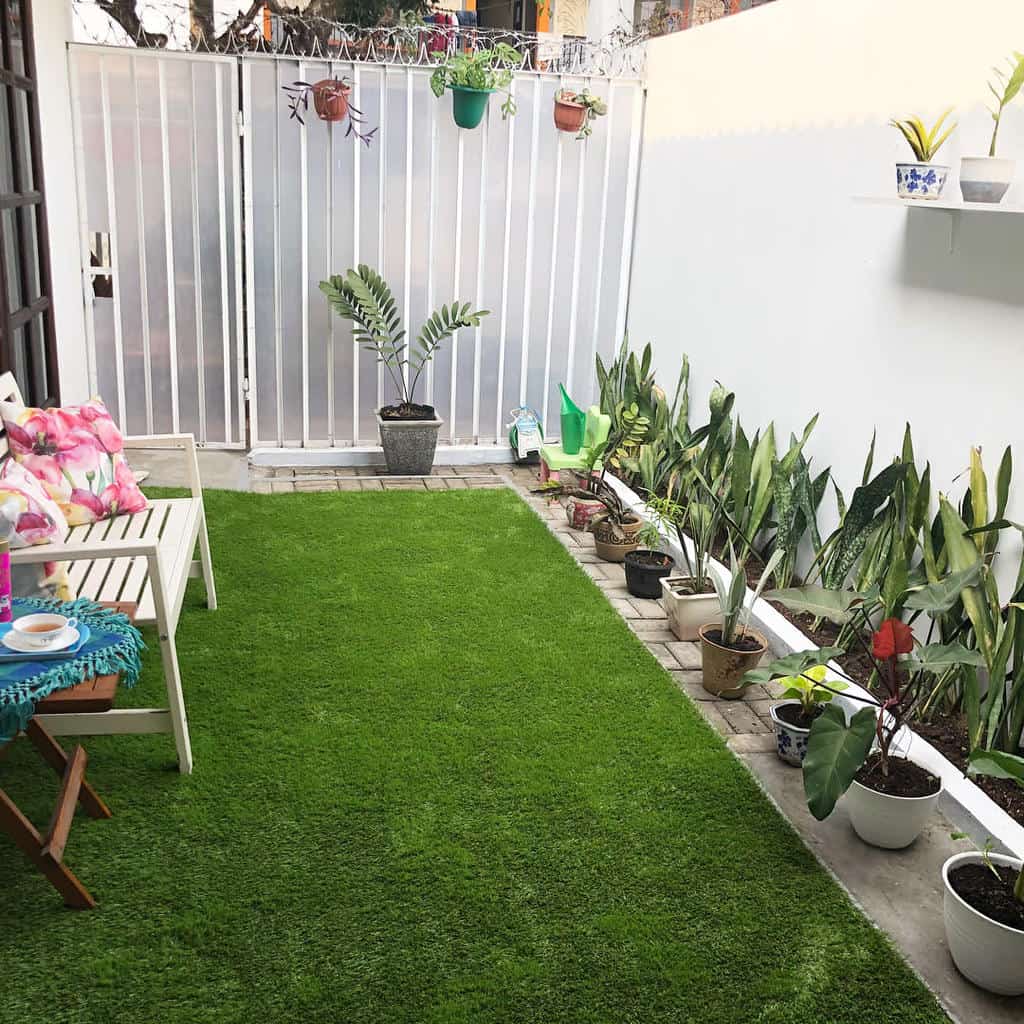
[52, 24]
[751, 255]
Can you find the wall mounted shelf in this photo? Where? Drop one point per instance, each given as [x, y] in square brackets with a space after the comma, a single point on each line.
[955, 208]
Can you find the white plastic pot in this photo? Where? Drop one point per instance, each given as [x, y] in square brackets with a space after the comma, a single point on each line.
[985, 179]
[891, 822]
[986, 952]
[687, 612]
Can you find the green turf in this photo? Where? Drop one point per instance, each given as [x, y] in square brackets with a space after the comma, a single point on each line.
[437, 780]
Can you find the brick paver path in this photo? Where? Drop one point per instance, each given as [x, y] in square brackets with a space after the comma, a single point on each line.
[745, 723]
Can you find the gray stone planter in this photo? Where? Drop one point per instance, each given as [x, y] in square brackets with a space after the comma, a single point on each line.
[408, 445]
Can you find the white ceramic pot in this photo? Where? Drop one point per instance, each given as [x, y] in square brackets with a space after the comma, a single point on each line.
[686, 612]
[790, 740]
[986, 952]
[891, 822]
[920, 181]
[985, 179]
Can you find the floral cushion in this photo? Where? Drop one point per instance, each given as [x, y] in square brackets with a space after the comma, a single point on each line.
[28, 516]
[76, 453]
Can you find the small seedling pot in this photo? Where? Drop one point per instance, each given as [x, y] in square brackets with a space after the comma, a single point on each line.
[644, 579]
[612, 550]
[409, 445]
[790, 740]
[985, 179]
[570, 117]
[330, 99]
[686, 612]
[920, 181]
[469, 105]
[887, 821]
[723, 667]
[986, 952]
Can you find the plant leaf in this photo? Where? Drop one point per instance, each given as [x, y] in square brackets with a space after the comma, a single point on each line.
[835, 750]
[822, 603]
[794, 664]
[936, 598]
[936, 658]
[997, 764]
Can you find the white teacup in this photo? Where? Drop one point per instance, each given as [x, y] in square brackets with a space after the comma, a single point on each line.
[40, 629]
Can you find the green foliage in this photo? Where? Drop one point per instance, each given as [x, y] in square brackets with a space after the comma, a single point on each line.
[364, 297]
[792, 664]
[923, 141]
[807, 688]
[731, 593]
[479, 69]
[595, 106]
[650, 537]
[835, 751]
[1005, 88]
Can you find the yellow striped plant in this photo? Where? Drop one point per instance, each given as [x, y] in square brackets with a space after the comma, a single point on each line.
[923, 141]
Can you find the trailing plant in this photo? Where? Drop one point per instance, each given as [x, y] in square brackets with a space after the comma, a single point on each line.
[299, 94]
[482, 69]
[595, 107]
[924, 142]
[1007, 85]
[364, 297]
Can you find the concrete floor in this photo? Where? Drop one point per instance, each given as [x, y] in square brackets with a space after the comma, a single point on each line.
[900, 891]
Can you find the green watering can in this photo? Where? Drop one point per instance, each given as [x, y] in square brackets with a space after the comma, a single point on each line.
[573, 422]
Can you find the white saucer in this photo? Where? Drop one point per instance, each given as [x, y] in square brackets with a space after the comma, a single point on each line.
[66, 638]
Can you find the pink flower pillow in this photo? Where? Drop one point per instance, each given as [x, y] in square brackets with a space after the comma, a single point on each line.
[76, 453]
[27, 514]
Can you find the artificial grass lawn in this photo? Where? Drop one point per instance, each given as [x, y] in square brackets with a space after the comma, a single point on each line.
[437, 779]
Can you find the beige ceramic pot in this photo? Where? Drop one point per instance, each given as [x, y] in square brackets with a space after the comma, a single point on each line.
[612, 550]
[723, 667]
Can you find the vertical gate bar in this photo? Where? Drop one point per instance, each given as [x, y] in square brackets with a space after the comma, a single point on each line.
[115, 277]
[304, 267]
[250, 255]
[455, 283]
[408, 207]
[574, 294]
[602, 227]
[481, 246]
[431, 188]
[355, 263]
[552, 279]
[530, 213]
[88, 298]
[330, 270]
[172, 309]
[627, 226]
[503, 316]
[237, 127]
[382, 179]
[140, 214]
[222, 220]
[276, 181]
[197, 265]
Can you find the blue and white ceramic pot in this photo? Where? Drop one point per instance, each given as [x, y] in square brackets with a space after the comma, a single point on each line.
[920, 181]
[790, 740]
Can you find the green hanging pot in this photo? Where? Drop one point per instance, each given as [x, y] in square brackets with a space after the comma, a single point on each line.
[469, 105]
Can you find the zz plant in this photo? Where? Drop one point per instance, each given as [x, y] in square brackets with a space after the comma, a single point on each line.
[364, 297]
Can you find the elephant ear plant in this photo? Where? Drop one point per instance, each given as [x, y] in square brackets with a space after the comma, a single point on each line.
[408, 430]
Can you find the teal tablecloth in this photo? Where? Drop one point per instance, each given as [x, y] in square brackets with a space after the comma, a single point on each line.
[114, 646]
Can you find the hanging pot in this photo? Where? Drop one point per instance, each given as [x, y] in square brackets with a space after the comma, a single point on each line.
[570, 117]
[469, 105]
[330, 99]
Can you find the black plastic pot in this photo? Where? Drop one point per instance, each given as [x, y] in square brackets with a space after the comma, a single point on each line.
[644, 579]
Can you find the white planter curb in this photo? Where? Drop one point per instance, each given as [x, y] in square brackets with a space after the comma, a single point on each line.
[970, 809]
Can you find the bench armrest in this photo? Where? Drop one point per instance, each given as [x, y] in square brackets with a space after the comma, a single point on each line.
[185, 443]
[71, 551]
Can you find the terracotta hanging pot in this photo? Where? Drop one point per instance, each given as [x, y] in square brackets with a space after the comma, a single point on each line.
[330, 99]
[569, 117]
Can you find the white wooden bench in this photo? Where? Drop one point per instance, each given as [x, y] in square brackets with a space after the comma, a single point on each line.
[146, 558]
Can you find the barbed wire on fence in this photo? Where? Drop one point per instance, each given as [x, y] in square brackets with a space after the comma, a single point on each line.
[288, 32]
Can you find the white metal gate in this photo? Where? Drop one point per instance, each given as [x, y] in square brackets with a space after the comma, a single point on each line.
[514, 217]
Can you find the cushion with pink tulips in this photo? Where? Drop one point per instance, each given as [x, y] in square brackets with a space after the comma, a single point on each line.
[77, 454]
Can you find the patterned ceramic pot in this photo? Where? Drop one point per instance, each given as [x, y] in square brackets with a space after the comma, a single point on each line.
[578, 512]
[920, 181]
[790, 740]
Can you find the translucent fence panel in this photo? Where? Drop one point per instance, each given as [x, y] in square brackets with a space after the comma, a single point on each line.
[159, 202]
[514, 217]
